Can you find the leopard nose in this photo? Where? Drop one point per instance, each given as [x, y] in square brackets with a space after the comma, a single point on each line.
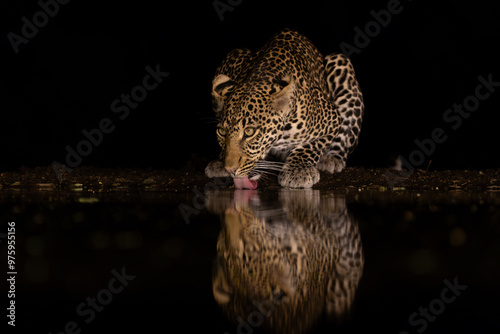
[231, 170]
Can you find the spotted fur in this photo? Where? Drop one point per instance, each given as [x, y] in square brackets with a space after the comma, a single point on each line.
[302, 259]
[285, 101]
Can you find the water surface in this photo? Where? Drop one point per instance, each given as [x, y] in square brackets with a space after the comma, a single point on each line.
[248, 261]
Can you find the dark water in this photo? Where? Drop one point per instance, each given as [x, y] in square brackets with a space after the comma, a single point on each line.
[247, 261]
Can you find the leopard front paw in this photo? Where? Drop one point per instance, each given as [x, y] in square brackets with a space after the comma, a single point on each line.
[216, 168]
[330, 163]
[296, 177]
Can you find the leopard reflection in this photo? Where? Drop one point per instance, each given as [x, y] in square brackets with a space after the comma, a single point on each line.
[283, 267]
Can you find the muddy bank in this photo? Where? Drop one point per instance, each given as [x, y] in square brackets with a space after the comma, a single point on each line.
[352, 178]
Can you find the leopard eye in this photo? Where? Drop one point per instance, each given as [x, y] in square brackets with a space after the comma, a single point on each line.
[221, 132]
[249, 132]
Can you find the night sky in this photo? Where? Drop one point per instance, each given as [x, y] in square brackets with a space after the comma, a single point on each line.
[73, 73]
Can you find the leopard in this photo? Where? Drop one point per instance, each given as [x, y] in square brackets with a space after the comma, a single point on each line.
[292, 263]
[284, 110]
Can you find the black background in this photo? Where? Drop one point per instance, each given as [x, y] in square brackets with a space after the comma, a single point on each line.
[65, 78]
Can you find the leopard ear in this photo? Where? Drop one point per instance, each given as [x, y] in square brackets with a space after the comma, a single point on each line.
[281, 100]
[222, 86]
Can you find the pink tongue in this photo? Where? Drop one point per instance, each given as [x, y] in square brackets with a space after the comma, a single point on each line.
[244, 183]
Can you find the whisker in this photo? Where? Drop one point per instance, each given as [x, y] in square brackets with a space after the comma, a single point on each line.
[268, 167]
[265, 166]
[266, 172]
[264, 177]
[272, 164]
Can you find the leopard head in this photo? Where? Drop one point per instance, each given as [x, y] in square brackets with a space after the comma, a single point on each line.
[252, 116]
[249, 264]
